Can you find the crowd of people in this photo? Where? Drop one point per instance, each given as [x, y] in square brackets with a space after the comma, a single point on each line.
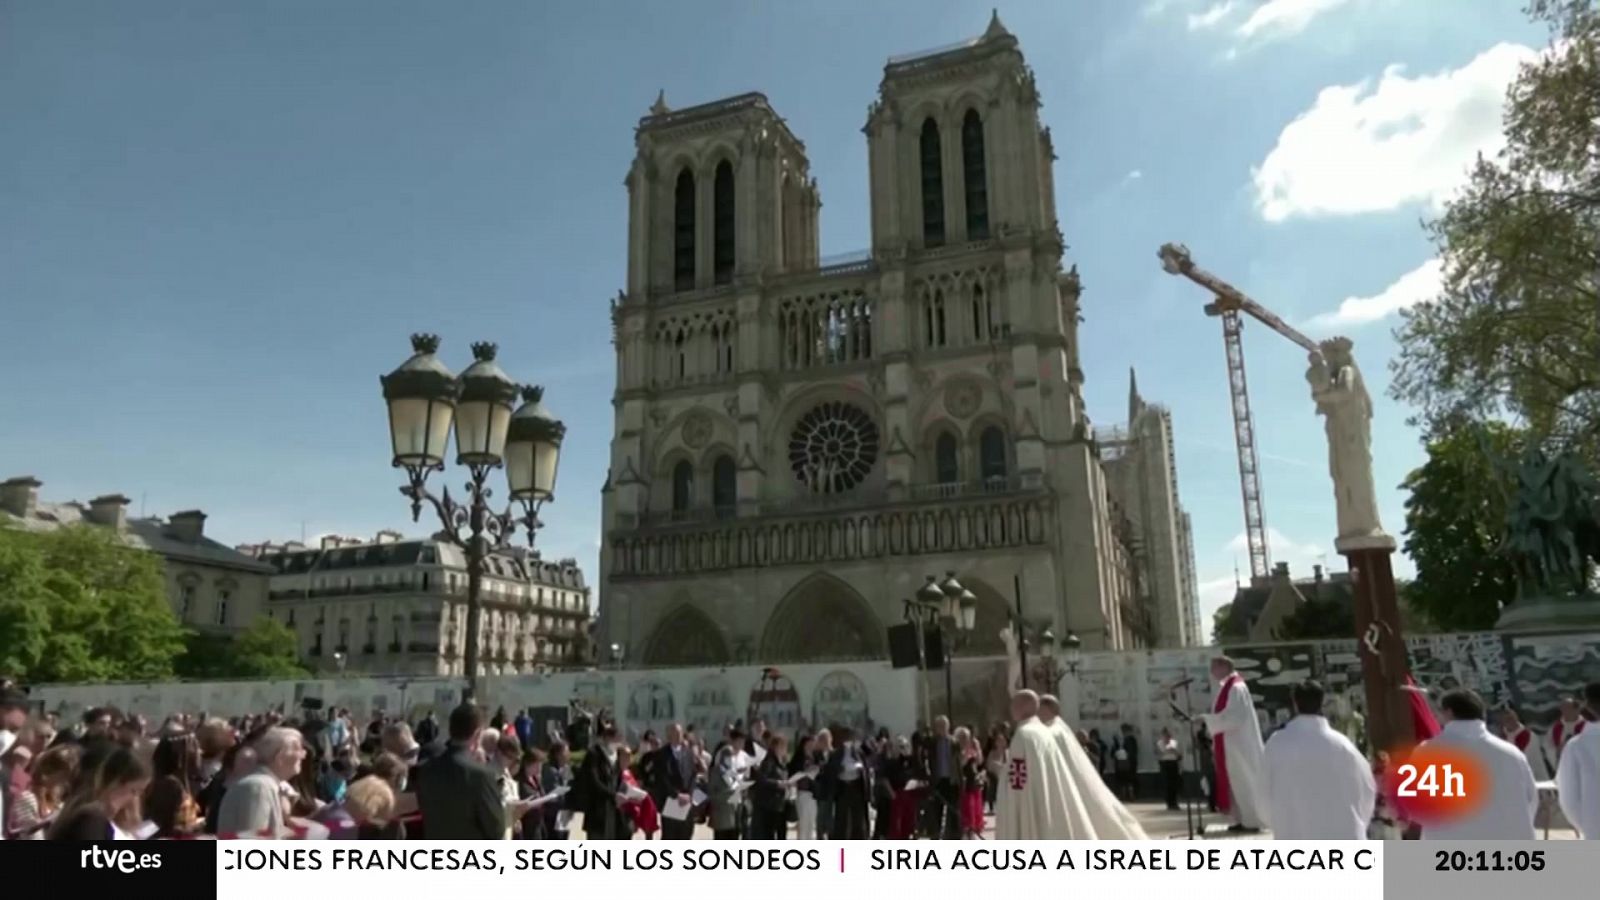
[319, 774]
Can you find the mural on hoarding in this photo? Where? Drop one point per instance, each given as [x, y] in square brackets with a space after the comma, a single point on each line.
[710, 708]
[1546, 668]
[775, 701]
[651, 707]
[841, 700]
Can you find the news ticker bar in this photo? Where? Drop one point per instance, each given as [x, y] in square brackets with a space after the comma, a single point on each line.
[1401, 870]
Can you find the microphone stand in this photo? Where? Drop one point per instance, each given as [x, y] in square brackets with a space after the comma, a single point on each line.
[1194, 819]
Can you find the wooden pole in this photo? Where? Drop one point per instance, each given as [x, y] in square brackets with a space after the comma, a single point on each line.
[1380, 645]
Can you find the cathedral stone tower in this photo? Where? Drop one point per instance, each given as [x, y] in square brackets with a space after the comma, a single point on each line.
[798, 445]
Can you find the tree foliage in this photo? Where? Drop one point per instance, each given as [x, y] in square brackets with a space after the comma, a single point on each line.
[1332, 618]
[1516, 329]
[78, 605]
[1455, 522]
[266, 649]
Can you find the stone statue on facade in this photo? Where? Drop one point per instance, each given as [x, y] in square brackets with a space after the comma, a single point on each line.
[1342, 399]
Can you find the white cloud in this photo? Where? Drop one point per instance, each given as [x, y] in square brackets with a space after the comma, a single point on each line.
[1133, 175]
[1211, 16]
[1416, 286]
[1282, 18]
[1369, 147]
[1282, 547]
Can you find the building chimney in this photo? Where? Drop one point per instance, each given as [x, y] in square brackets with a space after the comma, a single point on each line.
[189, 525]
[110, 510]
[20, 496]
[1316, 573]
[1280, 571]
[387, 536]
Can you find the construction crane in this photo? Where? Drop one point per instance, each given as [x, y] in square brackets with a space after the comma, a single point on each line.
[1227, 304]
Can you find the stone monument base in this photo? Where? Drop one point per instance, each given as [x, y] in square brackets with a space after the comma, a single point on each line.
[1547, 614]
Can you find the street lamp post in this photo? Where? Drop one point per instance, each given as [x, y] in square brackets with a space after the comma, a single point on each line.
[1072, 652]
[961, 610]
[425, 400]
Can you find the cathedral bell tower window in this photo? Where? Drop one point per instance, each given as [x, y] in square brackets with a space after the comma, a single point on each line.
[683, 232]
[974, 174]
[722, 223]
[947, 467]
[992, 454]
[724, 486]
[932, 186]
[682, 487]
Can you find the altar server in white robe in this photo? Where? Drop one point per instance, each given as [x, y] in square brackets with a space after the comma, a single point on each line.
[1319, 786]
[1507, 813]
[1578, 776]
[1236, 749]
[1093, 811]
[1034, 789]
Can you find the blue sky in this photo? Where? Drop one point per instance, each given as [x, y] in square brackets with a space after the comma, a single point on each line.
[219, 221]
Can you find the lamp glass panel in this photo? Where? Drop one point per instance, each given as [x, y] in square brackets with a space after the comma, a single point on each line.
[519, 467]
[473, 420]
[547, 454]
[417, 436]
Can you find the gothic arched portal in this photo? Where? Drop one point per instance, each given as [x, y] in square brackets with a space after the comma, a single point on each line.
[686, 637]
[822, 618]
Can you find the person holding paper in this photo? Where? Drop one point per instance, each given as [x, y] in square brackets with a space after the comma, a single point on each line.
[1090, 808]
[1237, 749]
[557, 775]
[1319, 786]
[850, 779]
[802, 777]
[1035, 788]
[639, 810]
[673, 775]
[1507, 812]
[1578, 776]
[600, 788]
[531, 787]
[769, 796]
[727, 785]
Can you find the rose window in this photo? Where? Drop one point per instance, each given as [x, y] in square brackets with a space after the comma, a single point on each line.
[833, 447]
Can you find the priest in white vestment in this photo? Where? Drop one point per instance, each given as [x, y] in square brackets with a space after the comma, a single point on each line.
[1093, 811]
[1578, 776]
[1507, 813]
[1236, 749]
[1034, 792]
[1319, 786]
[1530, 742]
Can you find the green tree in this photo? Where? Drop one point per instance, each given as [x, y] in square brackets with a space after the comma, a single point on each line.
[1222, 631]
[1516, 329]
[266, 649]
[1455, 517]
[85, 608]
[1315, 620]
[24, 604]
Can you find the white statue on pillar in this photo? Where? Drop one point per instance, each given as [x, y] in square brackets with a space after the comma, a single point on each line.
[1342, 399]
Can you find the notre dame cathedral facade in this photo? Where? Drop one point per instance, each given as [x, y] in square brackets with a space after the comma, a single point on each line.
[798, 444]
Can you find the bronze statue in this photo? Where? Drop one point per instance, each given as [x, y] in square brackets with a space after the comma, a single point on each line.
[1552, 531]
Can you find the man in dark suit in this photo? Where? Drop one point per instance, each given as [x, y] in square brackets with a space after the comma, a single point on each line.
[673, 771]
[459, 795]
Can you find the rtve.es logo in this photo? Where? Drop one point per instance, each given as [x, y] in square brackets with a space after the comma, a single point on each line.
[125, 861]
